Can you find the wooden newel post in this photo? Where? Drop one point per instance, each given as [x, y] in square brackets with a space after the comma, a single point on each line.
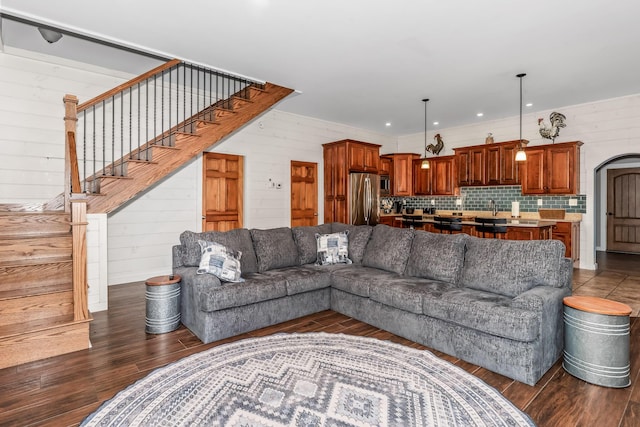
[70, 124]
[79, 245]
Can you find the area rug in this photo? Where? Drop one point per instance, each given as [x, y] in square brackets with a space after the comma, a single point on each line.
[314, 379]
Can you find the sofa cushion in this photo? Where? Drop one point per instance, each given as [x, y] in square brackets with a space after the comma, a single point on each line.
[222, 262]
[274, 248]
[305, 238]
[358, 238]
[406, 293]
[257, 287]
[333, 248]
[436, 256]
[485, 312]
[511, 267]
[388, 249]
[302, 278]
[357, 280]
[238, 239]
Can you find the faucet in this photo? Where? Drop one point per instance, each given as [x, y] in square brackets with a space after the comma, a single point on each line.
[494, 207]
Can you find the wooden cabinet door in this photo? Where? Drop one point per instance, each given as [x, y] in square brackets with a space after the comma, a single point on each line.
[509, 168]
[371, 159]
[443, 176]
[493, 169]
[385, 165]
[421, 179]
[533, 171]
[335, 183]
[477, 166]
[562, 231]
[403, 174]
[356, 157]
[463, 162]
[560, 168]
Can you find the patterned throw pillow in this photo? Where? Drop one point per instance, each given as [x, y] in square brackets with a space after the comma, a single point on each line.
[222, 262]
[333, 248]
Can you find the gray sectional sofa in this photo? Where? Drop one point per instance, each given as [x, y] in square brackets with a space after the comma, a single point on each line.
[493, 303]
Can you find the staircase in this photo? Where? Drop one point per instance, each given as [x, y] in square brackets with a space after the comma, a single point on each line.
[186, 109]
[40, 314]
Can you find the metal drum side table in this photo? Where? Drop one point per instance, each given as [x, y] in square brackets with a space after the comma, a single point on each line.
[162, 304]
[596, 340]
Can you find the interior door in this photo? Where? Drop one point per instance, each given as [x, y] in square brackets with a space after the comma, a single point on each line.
[222, 192]
[623, 210]
[304, 193]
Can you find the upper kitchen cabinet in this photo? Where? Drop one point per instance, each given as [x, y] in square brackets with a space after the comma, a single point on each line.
[471, 165]
[438, 180]
[552, 169]
[363, 157]
[401, 172]
[488, 164]
[385, 165]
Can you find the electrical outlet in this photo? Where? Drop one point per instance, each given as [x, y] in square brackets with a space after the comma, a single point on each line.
[539, 202]
[433, 202]
[573, 202]
[458, 202]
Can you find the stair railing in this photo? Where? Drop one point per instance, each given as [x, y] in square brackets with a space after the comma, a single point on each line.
[152, 108]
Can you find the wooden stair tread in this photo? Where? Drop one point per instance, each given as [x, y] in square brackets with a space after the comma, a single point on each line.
[34, 291]
[48, 323]
[36, 261]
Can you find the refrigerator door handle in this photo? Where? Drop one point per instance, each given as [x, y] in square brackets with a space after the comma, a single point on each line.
[367, 200]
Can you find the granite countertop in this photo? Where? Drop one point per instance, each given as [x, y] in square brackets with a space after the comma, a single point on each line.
[510, 222]
[528, 219]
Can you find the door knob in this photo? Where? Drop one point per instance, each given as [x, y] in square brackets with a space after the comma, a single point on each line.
[610, 213]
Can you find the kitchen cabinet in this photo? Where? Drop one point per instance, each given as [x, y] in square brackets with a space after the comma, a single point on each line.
[338, 162]
[552, 169]
[438, 180]
[569, 234]
[363, 157]
[529, 233]
[471, 165]
[401, 173]
[385, 165]
[488, 164]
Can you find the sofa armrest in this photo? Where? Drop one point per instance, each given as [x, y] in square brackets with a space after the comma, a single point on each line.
[176, 254]
[191, 278]
[566, 273]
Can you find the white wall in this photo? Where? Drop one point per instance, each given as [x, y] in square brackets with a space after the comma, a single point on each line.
[607, 128]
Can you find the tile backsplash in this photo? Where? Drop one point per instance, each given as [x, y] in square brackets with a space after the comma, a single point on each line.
[477, 199]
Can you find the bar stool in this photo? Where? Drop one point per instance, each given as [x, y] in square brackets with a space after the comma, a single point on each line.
[447, 224]
[491, 226]
[411, 220]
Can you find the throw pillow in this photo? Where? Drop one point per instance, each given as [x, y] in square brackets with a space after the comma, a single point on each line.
[238, 239]
[333, 248]
[274, 248]
[222, 262]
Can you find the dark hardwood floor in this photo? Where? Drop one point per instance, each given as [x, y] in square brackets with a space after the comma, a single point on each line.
[63, 390]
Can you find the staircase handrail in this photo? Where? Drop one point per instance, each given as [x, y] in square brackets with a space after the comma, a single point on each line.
[134, 81]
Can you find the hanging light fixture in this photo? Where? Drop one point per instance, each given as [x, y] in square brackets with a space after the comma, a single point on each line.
[425, 161]
[521, 155]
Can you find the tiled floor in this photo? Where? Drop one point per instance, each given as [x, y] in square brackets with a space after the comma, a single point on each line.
[617, 279]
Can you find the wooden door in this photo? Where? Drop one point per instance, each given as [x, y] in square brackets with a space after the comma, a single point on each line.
[222, 192]
[304, 193]
[623, 210]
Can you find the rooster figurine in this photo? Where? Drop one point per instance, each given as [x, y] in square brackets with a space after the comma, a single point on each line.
[437, 147]
[557, 122]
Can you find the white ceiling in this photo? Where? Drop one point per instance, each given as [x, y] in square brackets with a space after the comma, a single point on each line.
[368, 62]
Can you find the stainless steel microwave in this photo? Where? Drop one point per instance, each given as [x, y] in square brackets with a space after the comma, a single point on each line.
[385, 185]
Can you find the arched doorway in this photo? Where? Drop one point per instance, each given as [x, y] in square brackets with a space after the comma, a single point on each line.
[614, 166]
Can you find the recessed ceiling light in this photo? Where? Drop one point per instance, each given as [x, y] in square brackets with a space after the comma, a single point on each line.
[436, 123]
[387, 124]
[480, 114]
[528, 104]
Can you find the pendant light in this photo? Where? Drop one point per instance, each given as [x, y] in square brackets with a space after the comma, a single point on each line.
[521, 155]
[425, 161]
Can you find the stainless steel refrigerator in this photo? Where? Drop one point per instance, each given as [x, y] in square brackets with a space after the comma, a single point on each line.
[364, 198]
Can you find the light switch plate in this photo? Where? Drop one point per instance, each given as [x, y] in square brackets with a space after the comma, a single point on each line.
[573, 202]
[539, 202]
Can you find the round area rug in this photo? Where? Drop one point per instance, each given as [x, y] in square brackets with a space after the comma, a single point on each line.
[314, 379]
